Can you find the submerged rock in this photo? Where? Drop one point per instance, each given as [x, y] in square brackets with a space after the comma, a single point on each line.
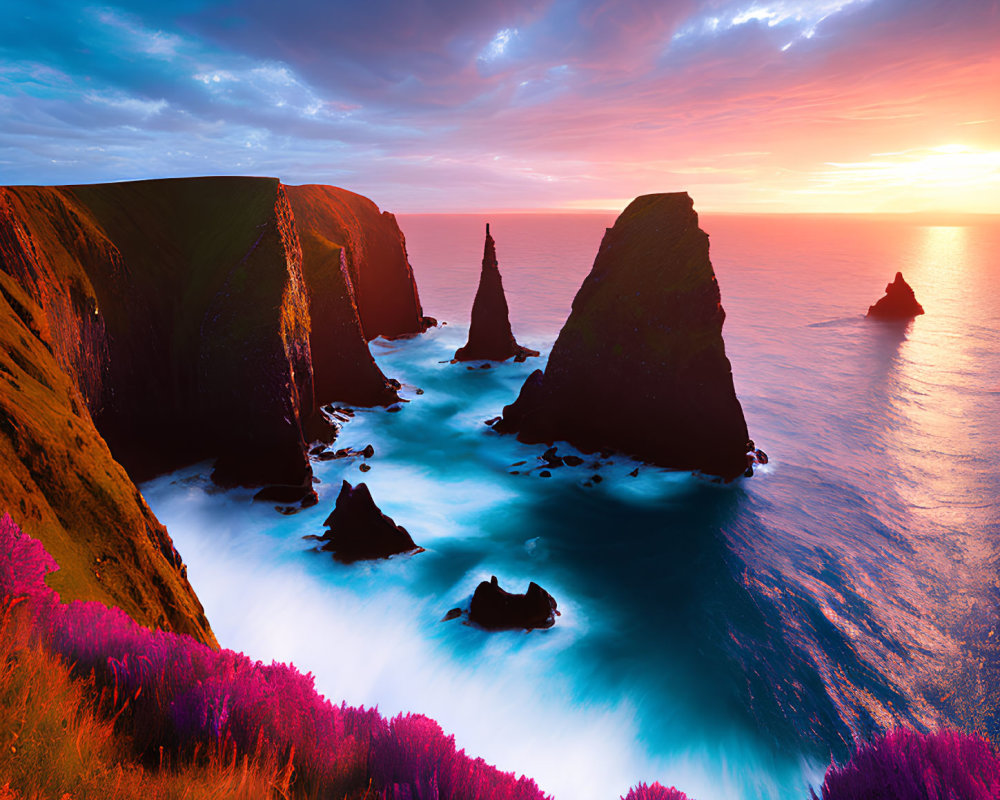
[495, 609]
[640, 365]
[899, 302]
[490, 336]
[360, 531]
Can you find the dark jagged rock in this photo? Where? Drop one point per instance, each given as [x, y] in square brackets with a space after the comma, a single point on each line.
[550, 458]
[360, 531]
[899, 302]
[495, 609]
[490, 336]
[640, 365]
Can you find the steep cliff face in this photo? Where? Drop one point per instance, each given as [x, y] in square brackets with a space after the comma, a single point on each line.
[381, 276]
[199, 289]
[343, 367]
[49, 245]
[60, 483]
[490, 336]
[640, 365]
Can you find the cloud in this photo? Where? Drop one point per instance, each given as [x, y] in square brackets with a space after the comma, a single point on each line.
[537, 101]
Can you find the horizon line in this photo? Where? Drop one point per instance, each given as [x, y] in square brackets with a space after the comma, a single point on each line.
[986, 215]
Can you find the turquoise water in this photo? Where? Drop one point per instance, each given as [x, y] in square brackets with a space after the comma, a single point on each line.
[722, 638]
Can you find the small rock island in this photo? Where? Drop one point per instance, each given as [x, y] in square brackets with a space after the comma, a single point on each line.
[640, 365]
[490, 336]
[899, 302]
[359, 531]
[495, 609]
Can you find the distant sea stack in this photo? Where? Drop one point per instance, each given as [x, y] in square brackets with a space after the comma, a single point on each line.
[899, 302]
[640, 365]
[490, 336]
[375, 252]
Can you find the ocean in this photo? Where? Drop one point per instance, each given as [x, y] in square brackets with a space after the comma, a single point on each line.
[728, 639]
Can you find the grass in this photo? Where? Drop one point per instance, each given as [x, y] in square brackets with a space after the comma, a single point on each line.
[61, 737]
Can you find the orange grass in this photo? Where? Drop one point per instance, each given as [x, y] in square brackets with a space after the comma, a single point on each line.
[58, 739]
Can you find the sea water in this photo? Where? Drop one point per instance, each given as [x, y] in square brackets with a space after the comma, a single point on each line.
[724, 638]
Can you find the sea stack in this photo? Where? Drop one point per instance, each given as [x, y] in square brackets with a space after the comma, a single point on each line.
[640, 365]
[899, 302]
[358, 530]
[490, 336]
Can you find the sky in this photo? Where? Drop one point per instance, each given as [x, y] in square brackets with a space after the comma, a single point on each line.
[461, 105]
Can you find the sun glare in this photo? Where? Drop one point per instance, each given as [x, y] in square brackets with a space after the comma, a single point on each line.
[953, 176]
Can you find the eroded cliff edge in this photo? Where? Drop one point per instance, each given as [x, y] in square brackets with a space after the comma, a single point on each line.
[640, 365]
[381, 276]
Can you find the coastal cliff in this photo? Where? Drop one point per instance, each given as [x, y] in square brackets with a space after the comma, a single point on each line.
[640, 365]
[151, 324]
[490, 335]
[343, 367]
[381, 276]
[61, 483]
[193, 319]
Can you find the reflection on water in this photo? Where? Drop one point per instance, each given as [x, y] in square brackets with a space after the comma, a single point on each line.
[723, 638]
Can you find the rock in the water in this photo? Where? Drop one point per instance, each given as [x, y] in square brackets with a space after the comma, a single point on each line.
[550, 458]
[899, 302]
[495, 609]
[359, 531]
[490, 336]
[279, 493]
[640, 365]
